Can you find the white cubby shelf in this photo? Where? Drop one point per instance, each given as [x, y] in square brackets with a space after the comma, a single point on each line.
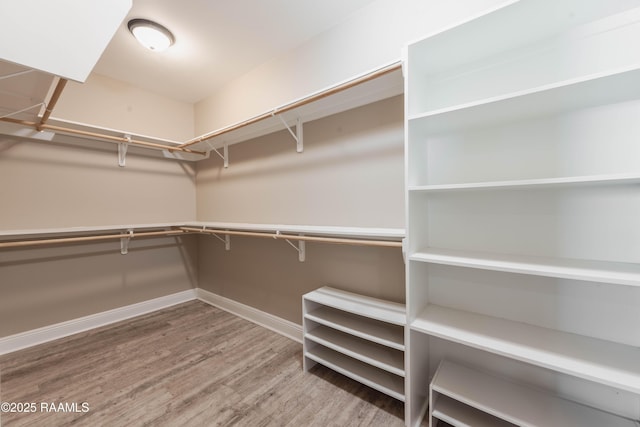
[358, 336]
[522, 206]
[462, 396]
[584, 92]
[620, 273]
[532, 184]
[604, 362]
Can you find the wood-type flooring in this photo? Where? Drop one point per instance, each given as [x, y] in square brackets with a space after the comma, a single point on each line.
[187, 365]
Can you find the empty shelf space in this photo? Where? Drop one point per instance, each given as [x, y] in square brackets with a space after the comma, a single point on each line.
[509, 401]
[560, 182]
[458, 414]
[374, 354]
[594, 271]
[581, 92]
[361, 305]
[596, 360]
[360, 326]
[375, 378]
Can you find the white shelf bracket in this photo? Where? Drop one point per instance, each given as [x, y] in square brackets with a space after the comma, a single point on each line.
[300, 247]
[122, 151]
[13, 113]
[124, 242]
[226, 241]
[19, 73]
[297, 135]
[225, 153]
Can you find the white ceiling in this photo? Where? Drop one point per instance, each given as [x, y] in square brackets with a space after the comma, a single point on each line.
[216, 41]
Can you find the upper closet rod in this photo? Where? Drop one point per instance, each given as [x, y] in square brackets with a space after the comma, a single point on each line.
[90, 238]
[336, 240]
[104, 137]
[331, 91]
[42, 125]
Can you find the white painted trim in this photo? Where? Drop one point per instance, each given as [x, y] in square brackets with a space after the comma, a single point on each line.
[284, 327]
[60, 330]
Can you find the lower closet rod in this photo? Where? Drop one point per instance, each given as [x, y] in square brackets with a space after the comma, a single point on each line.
[336, 240]
[41, 242]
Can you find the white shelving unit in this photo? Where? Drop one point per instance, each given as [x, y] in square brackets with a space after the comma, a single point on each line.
[462, 396]
[609, 363]
[522, 204]
[358, 336]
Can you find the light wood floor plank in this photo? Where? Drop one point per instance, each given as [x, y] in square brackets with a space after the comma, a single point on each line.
[188, 365]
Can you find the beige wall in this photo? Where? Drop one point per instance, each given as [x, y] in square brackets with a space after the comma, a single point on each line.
[53, 284]
[267, 275]
[48, 186]
[350, 174]
[364, 41]
[113, 104]
[44, 185]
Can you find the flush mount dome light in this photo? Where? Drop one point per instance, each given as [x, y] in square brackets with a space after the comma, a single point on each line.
[150, 34]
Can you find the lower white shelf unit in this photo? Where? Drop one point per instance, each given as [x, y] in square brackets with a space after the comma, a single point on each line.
[461, 396]
[358, 336]
[604, 362]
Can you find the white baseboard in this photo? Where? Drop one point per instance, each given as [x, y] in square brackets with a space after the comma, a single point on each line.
[64, 329]
[266, 320]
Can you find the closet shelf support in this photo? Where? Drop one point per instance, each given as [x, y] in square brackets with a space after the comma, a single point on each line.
[13, 113]
[297, 135]
[122, 151]
[124, 242]
[224, 156]
[16, 74]
[301, 247]
[226, 241]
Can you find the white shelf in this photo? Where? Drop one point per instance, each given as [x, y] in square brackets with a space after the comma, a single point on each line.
[594, 271]
[458, 414]
[320, 230]
[582, 92]
[375, 378]
[526, 109]
[364, 232]
[600, 361]
[448, 48]
[38, 232]
[374, 354]
[380, 88]
[544, 183]
[369, 329]
[359, 336]
[373, 308]
[515, 403]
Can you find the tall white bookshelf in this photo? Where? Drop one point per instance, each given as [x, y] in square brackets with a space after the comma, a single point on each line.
[523, 199]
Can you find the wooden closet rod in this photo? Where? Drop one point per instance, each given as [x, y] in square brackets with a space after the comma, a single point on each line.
[52, 103]
[339, 88]
[104, 137]
[335, 240]
[93, 238]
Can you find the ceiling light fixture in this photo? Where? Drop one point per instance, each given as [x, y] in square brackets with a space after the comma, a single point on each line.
[151, 35]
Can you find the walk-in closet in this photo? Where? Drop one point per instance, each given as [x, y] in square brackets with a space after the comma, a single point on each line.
[338, 213]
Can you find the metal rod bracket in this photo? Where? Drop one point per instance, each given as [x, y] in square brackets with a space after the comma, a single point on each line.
[122, 151]
[301, 247]
[297, 135]
[225, 153]
[124, 242]
[226, 241]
